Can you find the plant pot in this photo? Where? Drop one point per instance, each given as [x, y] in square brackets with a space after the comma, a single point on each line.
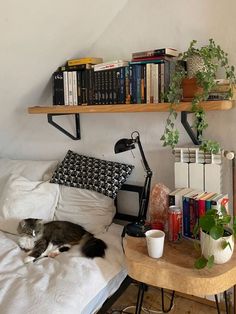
[190, 89]
[195, 63]
[210, 247]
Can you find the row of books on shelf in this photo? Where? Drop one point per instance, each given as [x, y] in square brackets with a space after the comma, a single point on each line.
[144, 79]
[195, 204]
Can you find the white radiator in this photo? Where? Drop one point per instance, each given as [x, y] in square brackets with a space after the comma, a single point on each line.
[198, 170]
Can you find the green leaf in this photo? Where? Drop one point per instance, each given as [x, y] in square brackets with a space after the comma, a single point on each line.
[196, 230]
[216, 232]
[201, 262]
[206, 222]
[210, 261]
[225, 244]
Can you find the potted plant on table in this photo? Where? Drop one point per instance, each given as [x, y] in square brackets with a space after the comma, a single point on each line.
[201, 80]
[216, 237]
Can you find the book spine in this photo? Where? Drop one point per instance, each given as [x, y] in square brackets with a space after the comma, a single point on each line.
[127, 85]
[83, 87]
[148, 83]
[138, 83]
[134, 84]
[79, 87]
[131, 83]
[110, 87]
[122, 86]
[65, 87]
[90, 86]
[192, 217]
[70, 88]
[201, 208]
[99, 87]
[114, 87]
[162, 79]
[186, 217]
[171, 200]
[143, 83]
[58, 88]
[74, 88]
[106, 86]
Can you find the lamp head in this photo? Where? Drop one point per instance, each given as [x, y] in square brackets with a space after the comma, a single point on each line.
[123, 145]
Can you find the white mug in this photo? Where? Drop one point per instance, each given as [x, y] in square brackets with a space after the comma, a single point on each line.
[155, 242]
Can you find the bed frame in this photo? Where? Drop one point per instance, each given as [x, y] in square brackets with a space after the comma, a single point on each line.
[128, 218]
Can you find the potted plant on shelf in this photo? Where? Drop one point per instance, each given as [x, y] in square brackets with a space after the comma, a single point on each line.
[200, 80]
[216, 237]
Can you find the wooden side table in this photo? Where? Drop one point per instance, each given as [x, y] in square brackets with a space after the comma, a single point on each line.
[175, 270]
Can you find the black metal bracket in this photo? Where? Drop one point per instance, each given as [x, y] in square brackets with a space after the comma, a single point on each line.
[184, 120]
[57, 126]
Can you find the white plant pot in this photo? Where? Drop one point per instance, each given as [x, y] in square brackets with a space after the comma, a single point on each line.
[209, 247]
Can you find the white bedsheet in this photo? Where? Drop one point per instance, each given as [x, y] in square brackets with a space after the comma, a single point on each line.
[63, 285]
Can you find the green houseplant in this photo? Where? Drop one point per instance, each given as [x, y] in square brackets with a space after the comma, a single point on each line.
[212, 58]
[217, 238]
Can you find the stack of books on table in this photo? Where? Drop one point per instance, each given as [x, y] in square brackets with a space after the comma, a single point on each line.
[195, 204]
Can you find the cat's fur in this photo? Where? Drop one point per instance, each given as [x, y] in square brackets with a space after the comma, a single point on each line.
[51, 238]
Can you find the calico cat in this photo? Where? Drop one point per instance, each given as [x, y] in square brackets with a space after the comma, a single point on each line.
[51, 238]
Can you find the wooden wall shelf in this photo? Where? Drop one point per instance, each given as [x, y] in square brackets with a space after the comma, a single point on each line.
[160, 107]
[183, 107]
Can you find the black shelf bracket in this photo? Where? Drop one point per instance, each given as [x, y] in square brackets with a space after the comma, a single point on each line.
[57, 126]
[184, 120]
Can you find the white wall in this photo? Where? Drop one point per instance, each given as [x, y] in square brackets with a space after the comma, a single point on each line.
[38, 36]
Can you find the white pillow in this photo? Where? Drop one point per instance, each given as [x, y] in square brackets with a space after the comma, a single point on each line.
[92, 210]
[21, 198]
[31, 169]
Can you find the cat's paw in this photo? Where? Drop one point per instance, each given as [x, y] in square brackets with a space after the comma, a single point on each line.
[29, 259]
[26, 243]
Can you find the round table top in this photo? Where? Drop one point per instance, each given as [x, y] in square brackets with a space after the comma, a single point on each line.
[175, 269]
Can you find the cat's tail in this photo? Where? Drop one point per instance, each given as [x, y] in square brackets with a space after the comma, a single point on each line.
[93, 247]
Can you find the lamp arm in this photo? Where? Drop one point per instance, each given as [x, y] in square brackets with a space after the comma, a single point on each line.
[145, 163]
[145, 199]
[147, 184]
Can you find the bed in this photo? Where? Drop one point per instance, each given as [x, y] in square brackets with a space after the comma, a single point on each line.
[69, 283]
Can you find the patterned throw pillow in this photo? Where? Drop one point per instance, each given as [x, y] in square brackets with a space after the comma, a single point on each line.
[90, 173]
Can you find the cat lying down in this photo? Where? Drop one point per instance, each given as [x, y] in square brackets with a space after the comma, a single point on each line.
[51, 238]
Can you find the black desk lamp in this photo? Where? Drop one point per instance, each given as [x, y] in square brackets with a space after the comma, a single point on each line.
[138, 228]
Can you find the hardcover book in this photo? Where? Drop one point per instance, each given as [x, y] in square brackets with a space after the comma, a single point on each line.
[156, 52]
[90, 60]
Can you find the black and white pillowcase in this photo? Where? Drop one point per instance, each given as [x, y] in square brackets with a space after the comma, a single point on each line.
[91, 173]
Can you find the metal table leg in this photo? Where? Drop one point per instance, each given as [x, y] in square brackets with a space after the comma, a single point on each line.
[226, 303]
[163, 301]
[139, 303]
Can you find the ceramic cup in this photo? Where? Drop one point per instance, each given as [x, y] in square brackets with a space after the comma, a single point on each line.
[155, 242]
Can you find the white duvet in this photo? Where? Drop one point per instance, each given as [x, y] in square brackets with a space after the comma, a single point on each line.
[63, 285]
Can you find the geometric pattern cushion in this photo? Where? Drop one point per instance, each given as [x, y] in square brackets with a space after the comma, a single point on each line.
[90, 173]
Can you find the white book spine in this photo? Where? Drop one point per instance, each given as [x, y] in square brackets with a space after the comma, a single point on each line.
[148, 82]
[74, 87]
[70, 88]
[65, 83]
[155, 83]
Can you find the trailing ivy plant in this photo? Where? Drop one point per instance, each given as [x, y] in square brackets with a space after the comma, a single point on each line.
[213, 58]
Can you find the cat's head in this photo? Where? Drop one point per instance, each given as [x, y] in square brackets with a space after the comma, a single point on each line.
[30, 227]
